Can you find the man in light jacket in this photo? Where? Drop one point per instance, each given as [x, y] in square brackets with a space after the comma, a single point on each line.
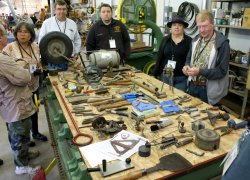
[208, 62]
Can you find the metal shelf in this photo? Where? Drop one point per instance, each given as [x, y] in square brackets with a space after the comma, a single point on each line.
[243, 66]
[232, 27]
[239, 93]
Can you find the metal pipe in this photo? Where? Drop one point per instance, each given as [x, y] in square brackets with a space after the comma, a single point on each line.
[51, 8]
[12, 10]
[79, 134]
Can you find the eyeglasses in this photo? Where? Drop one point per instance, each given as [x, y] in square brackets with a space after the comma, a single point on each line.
[24, 32]
[203, 26]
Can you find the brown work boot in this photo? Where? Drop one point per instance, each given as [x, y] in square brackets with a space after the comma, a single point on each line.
[34, 154]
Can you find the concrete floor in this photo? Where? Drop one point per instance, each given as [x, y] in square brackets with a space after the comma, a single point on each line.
[7, 170]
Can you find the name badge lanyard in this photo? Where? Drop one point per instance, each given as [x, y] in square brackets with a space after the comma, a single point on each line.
[29, 54]
[172, 50]
[59, 26]
[198, 54]
[172, 62]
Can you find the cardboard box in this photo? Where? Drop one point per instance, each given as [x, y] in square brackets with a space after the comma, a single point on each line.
[246, 18]
[248, 80]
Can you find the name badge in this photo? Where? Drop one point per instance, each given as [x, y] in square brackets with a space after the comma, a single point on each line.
[32, 67]
[112, 43]
[172, 63]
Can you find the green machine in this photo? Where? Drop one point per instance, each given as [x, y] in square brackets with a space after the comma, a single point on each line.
[139, 16]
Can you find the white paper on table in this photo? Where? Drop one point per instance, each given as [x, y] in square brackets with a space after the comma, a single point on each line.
[95, 153]
[109, 150]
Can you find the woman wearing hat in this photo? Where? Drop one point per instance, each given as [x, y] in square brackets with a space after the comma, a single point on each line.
[172, 53]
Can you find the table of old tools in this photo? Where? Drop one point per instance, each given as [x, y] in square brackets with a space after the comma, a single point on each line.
[167, 133]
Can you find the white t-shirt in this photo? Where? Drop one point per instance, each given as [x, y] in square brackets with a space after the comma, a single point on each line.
[67, 27]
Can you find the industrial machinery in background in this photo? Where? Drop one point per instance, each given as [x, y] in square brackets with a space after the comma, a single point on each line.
[140, 20]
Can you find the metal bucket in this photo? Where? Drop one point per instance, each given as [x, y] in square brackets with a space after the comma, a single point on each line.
[102, 58]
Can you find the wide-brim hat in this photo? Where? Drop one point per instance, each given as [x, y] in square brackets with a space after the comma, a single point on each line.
[177, 19]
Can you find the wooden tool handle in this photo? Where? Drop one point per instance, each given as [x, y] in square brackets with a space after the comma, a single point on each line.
[115, 105]
[133, 175]
[108, 101]
[98, 100]
[195, 104]
[152, 115]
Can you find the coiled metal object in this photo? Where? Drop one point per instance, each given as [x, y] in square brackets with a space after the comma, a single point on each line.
[189, 11]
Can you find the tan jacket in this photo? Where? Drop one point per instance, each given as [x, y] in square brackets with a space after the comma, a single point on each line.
[13, 50]
[15, 96]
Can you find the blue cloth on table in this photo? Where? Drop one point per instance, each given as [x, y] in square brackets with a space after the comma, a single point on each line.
[169, 107]
[141, 106]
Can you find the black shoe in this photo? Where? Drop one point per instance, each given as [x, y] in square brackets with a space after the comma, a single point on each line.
[1, 162]
[32, 144]
[40, 137]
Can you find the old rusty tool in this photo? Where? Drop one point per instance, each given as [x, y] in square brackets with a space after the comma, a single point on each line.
[195, 153]
[102, 125]
[172, 138]
[157, 93]
[115, 105]
[172, 162]
[224, 130]
[183, 99]
[79, 134]
[213, 108]
[118, 111]
[98, 99]
[149, 98]
[108, 101]
[183, 142]
[168, 71]
[193, 105]
[90, 120]
[214, 117]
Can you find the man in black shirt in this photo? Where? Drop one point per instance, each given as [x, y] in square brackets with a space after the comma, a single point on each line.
[108, 33]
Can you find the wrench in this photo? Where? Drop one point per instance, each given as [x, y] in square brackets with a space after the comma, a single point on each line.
[195, 153]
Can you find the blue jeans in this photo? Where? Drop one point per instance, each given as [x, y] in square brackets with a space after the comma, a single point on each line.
[180, 82]
[198, 91]
[19, 133]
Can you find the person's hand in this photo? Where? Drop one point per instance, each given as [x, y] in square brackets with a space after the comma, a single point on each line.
[194, 71]
[37, 72]
[185, 69]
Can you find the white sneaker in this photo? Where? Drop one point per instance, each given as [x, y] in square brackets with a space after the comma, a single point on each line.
[26, 170]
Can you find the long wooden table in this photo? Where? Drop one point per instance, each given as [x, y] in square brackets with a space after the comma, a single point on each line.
[226, 141]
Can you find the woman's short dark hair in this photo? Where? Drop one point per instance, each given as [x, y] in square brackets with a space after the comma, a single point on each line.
[28, 27]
